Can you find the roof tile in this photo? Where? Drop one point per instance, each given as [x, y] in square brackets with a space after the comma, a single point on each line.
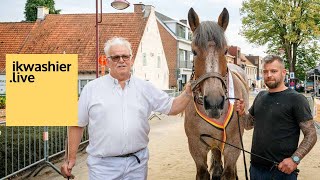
[70, 33]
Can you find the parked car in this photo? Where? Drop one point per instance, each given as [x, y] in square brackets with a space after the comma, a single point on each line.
[309, 86]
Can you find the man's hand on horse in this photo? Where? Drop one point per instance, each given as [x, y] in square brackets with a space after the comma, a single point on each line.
[188, 90]
[66, 169]
[240, 107]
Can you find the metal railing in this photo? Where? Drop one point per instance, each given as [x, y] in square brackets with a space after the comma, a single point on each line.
[22, 148]
[174, 94]
[185, 64]
[155, 114]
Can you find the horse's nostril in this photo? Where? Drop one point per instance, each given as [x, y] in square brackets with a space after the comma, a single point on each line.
[222, 102]
[206, 103]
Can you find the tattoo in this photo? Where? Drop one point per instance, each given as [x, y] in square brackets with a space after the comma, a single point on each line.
[309, 140]
[248, 121]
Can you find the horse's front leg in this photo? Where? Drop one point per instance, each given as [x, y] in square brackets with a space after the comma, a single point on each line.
[231, 156]
[199, 151]
[216, 164]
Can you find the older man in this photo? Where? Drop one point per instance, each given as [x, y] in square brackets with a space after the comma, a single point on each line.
[116, 108]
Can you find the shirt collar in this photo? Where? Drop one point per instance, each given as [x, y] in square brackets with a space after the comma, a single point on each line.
[116, 82]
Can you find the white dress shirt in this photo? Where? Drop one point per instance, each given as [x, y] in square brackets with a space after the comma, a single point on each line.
[118, 118]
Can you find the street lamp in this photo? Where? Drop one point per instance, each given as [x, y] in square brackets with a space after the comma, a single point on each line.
[117, 4]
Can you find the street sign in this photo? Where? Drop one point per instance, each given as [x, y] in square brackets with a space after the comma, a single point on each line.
[291, 75]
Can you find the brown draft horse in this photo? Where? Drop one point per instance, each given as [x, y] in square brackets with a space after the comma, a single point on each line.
[210, 84]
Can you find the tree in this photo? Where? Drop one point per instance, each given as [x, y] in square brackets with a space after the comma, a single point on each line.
[308, 57]
[31, 8]
[287, 24]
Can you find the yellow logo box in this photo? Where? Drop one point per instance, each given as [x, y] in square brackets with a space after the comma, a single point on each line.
[41, 89]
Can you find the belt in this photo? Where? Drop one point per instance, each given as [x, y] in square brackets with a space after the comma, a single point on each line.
[131, 154]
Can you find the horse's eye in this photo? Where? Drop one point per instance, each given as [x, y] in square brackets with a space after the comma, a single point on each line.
[194, 52]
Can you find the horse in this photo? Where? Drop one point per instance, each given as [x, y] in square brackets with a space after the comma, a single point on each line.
[211, 114]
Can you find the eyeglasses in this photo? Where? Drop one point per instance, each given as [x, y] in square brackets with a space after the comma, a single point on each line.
[116, 58]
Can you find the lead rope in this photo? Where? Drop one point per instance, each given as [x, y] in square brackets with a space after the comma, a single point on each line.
[241, 141]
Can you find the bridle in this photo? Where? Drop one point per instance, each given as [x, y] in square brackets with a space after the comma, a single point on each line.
[195, 83]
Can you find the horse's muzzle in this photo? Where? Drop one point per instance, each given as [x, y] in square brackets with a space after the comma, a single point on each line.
[213, 103]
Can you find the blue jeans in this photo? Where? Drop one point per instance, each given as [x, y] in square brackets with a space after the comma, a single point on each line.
[262, 173]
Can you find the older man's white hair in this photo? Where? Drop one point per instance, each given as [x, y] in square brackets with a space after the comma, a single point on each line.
[116, 41]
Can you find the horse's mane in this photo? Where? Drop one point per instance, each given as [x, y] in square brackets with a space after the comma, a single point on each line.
[209, 31]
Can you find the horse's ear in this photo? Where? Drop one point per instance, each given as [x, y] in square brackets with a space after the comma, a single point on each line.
[223, 20]
[193, 19]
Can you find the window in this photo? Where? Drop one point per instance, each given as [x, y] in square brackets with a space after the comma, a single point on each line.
[181, 31]
[185, 59]
[159, 62]
[191, 56]
[82, 83]
[181, 55]
[189, 35]
[144, 57]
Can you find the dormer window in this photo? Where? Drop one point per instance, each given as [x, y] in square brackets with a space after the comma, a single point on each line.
[181, 31]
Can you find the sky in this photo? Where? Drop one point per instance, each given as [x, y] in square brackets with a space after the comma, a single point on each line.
[207, 10]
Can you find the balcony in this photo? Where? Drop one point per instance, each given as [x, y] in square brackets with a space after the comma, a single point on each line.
[185, 64]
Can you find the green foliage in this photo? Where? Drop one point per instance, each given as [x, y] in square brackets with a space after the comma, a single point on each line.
[31, 8]
[2, 102]
[290, 24]
[308, 57]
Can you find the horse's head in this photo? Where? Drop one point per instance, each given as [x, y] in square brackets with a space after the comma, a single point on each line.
[209, 47]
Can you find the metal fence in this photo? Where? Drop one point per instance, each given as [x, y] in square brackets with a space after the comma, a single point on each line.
[174, 94]
[25, 147]
[22, 148]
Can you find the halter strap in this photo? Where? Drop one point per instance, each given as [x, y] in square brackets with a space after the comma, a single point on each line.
[194, 83]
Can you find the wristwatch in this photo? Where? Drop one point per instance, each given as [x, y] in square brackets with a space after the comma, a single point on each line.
[295, 159]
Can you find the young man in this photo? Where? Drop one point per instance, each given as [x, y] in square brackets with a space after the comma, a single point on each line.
[277, 116]
[116, 108]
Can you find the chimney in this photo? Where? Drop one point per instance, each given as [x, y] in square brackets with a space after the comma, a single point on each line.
[42, 12]
[141, 8]
[147, 10]
[184, 21]
[138, 8]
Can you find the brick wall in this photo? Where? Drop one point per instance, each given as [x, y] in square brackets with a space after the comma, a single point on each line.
[170, 50]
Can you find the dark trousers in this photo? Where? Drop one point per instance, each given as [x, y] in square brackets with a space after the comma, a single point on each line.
[263, 173]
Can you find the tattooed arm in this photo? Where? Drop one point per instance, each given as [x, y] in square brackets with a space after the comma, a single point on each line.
[310, 138]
